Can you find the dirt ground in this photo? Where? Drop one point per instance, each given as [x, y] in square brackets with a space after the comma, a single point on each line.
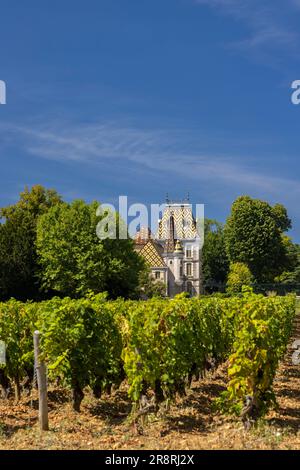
[188, 424]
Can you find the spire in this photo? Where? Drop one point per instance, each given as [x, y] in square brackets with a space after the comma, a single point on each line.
[178, 247]
[170, 242]
[171, 228]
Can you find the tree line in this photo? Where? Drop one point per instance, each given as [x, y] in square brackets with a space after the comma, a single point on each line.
[49, 247]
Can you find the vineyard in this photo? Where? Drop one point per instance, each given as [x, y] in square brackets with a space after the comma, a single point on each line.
[157, 347]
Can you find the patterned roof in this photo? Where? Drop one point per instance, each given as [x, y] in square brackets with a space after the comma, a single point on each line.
[184, 222]
[152, 254]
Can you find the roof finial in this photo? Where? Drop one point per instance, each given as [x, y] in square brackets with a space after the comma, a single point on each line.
[167, 198]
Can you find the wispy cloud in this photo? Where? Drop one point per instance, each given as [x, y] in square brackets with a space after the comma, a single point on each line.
[267, 21]
[171, 151]
[296, 3]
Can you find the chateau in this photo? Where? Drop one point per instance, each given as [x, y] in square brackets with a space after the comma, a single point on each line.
[173, 254]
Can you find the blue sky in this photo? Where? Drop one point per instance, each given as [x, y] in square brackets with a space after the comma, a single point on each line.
[145, 97]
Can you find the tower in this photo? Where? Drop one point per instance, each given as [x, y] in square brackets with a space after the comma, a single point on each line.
[178, 264]
[177, 231]
[174, 254]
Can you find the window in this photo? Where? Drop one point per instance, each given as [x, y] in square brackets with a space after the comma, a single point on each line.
[181, 271]
[157, 274]
[188, 252]
[189, 269]
[189, 287]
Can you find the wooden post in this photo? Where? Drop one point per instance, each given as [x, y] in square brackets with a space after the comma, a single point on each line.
[42, 383]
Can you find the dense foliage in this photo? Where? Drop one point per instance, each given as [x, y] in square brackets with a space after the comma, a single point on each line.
[292, 275]
[18, 258]
[74, 260]
[49, 247]
[239, 275]
[214, 257]
[254, 235]
[158, 344]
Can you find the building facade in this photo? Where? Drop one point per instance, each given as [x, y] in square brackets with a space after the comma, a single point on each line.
[174, 253]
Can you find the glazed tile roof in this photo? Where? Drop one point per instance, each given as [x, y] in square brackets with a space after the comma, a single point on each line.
[184, 222]
[152, 251]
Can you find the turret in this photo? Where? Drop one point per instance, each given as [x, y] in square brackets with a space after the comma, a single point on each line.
[178, 257]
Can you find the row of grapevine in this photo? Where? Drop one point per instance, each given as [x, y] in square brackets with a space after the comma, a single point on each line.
[168, 341]
[157, 345]
[265, 326]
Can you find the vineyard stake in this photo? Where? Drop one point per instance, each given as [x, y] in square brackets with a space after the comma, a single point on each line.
[42, 383]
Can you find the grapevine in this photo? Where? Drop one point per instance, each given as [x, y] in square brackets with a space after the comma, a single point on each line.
[158, 346]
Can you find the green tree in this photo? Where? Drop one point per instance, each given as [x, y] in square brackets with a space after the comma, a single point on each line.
[254, 235]
[215, 260]
[150, 287]
[18, 258]
[75, 261]
[283, 221]
[239, 275]
[291, 276]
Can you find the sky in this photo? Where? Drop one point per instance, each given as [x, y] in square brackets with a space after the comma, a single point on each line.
[148, 97]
